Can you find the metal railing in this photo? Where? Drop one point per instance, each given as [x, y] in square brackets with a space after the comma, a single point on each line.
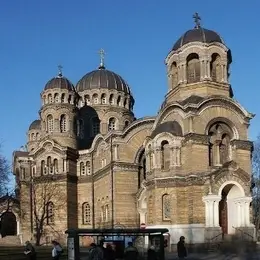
[243, 233]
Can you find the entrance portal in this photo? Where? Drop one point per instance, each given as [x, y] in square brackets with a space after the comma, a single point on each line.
[8, 225]
[228, 208]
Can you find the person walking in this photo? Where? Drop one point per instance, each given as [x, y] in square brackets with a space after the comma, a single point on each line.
[56, 250]
[151, 253]
[182, 251]
[29, 251]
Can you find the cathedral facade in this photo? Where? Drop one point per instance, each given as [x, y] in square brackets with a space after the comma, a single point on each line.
[90, 163]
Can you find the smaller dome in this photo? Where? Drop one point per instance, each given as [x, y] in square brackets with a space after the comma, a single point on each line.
[59, 82]
[172, 127]
[198, 35]
[35, 125]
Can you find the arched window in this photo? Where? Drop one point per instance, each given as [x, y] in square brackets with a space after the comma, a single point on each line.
[111, 124]
[50, 98]
[219, 146]
[69, 99]
[215, 68]
[111, 99]
[165, 149]
[118, 102]
[86, 214]
[62, 98]
[174, 74]
[87, 100]
[95, 98]
[88, 168]
[125, 102]
[63, 124]
[50, 124]
[193, 68]
[82, 169]
[49, 165]
[126, 123]
[95, 126]
[43, 167]
[50, 213]
[56, 98]
[55, 166]
[141, 169]
[103, 99]
[166, 207]
[33, 136]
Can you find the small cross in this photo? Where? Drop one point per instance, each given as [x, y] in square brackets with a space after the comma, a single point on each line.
[60, 70]
[197, 20]
[102, 57]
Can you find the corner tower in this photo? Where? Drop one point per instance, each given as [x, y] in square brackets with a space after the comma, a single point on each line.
[198, 64]
[59, 110]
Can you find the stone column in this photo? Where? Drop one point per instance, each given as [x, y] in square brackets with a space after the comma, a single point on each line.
[173, 156]
[202, 70]
[170, 81]
[212, 210]
[18, 227]
[157, 158]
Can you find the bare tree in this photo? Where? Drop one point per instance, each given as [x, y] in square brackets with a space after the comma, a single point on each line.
[4, 174]
[256, 183]
[47, 200]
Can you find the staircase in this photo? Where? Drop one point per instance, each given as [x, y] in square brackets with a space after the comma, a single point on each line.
[10, 241]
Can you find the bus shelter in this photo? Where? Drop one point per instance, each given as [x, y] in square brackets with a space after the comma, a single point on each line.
[74, 250]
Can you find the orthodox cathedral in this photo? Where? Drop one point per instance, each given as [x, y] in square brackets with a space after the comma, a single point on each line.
[187, 169]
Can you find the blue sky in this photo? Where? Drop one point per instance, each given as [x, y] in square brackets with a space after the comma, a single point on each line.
[137, 35]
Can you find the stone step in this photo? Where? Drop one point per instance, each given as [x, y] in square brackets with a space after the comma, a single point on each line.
[10, 241]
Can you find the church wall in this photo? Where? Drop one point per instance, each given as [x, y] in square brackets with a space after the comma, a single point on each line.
[103, 191]
[72, 204]
[195, 158]
[126, 187]
[84, 196]
[243, 159]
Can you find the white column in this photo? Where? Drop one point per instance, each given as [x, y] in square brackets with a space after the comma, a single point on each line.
[216, 213]
[18, 227]
[238, 214]
[207, 213]
[211, 210]
[247, 210]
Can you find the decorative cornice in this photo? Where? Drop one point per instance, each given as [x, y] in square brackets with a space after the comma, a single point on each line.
[196, 138]
[242, 144]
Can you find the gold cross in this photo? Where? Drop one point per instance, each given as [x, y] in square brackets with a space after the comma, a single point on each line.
[197, 20]
[60, 70]
[102, 57]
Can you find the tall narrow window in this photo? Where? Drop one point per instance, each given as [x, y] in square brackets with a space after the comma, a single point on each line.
[193, 68]
[118, 102]
[95, 126]
[111, 124]
[88, 168]
[50, 98]
[165, 152]
[111, 99]
[63, 124]
[86, 214]
[50, 213]
[87, 100]
[49, 165]
[42, 167]
[62, 98]
[55, 166]
[166, 207]
[95, 99]
[50, 124]
[103, 99]
[56, 98]
[82, 169]
[215, 69]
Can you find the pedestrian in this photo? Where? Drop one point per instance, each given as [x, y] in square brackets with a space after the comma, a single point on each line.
[29, 251]
[56, 250]
[151, 253]
[95, 252]
[131, 252]
[109, 253]
[182, 252]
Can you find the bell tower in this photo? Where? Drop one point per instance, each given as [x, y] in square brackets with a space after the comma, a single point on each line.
[198, 64]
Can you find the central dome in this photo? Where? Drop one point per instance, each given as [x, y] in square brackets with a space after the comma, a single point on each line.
[102, 78]
[198, 35]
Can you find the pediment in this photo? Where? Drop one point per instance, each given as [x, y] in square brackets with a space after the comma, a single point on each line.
[231, 170]
[48, 146]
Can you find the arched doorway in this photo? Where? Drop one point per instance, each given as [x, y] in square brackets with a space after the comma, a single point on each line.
[229, 207]
[8, 226]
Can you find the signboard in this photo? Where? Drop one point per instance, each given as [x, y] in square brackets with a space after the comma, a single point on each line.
[71, 249]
